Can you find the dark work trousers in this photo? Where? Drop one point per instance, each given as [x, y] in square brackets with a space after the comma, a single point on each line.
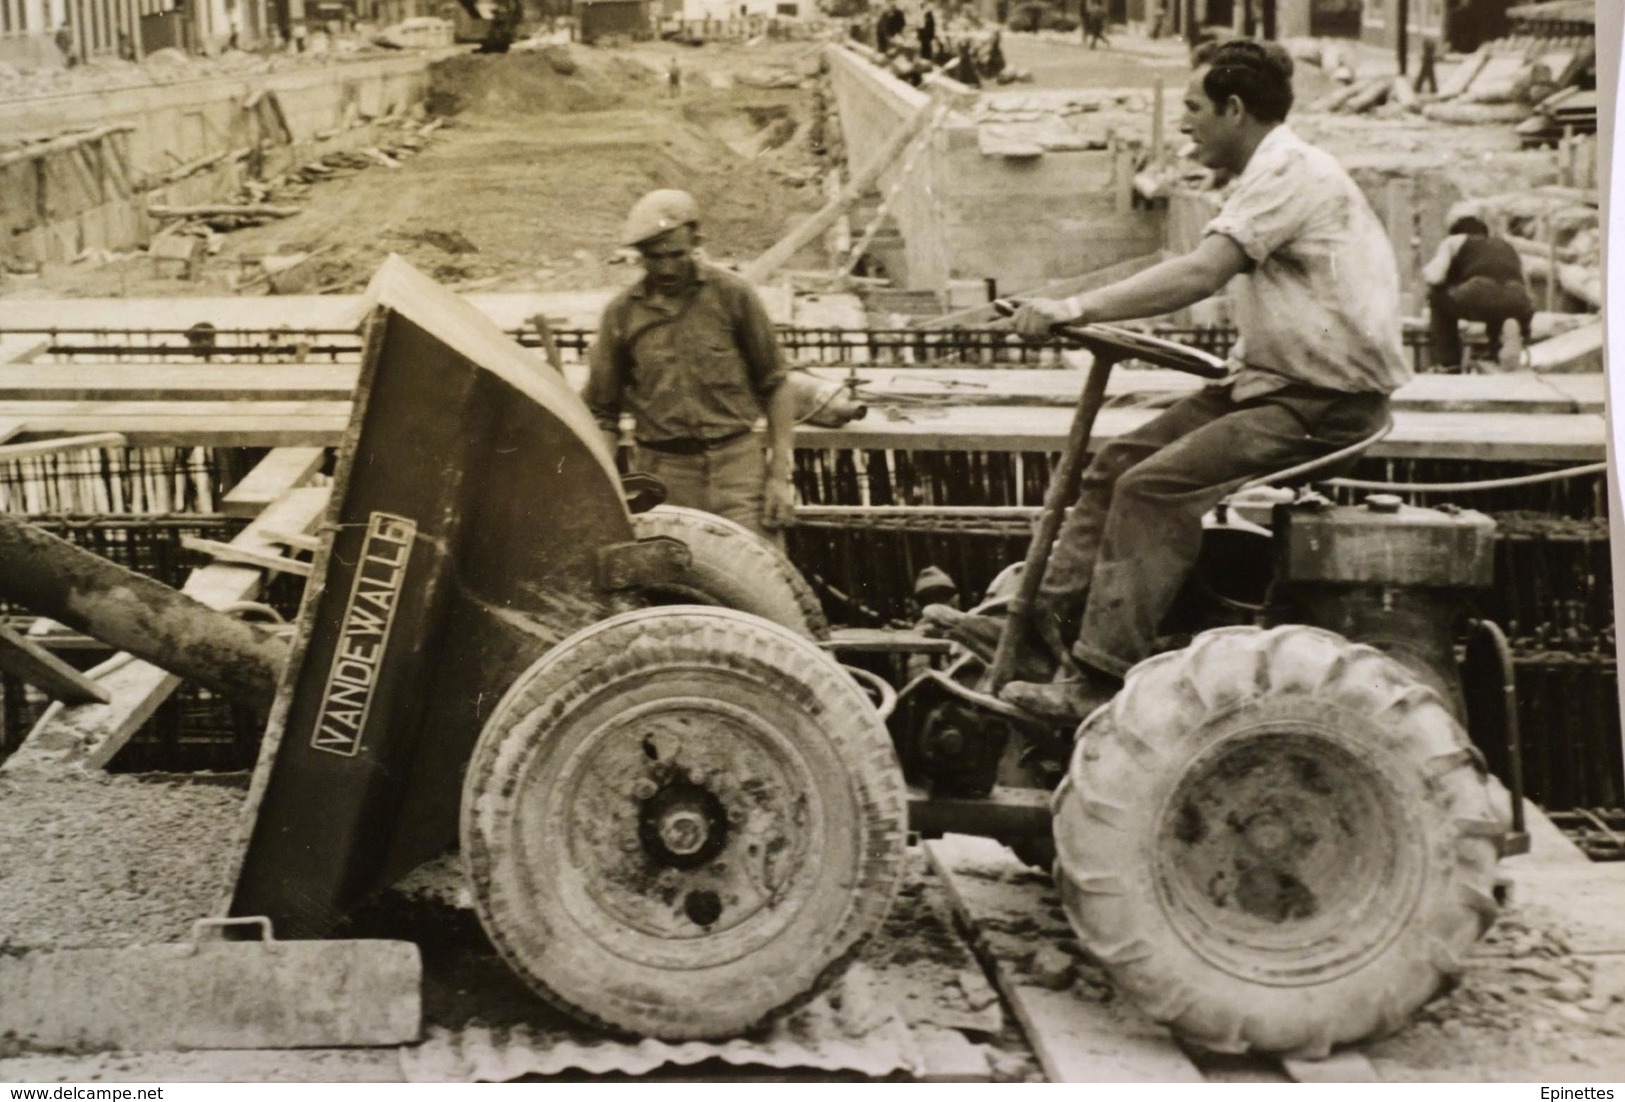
[1126, 547]
[728, 481]
[1490, 301]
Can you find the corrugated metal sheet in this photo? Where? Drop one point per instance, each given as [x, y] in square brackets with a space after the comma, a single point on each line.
[860, 1032]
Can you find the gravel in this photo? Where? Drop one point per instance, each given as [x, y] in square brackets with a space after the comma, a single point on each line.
[110, 860]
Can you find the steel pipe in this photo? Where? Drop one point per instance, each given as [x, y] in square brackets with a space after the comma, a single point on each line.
[52, 577]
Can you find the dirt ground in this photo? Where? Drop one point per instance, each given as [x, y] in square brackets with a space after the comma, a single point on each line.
[102, 860]
[526, 184]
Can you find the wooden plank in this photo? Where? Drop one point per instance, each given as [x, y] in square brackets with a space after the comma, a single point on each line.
[1512, 393]
[217, 424]
[58, 145]
[884, 641]
[272, 476]
[1577, 351]
[20, 348]
[189, 381]
[57, 444]
[1081, 1035]
[1339, 1067]
[915, 129]
[260, 560]
[1581, 903]
[178, 381]
[87, 736]
[33, 664]
[1487, 437]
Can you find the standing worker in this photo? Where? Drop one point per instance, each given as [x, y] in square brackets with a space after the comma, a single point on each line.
[928, 37]
[1314, 288]
[690, 353]
[1477, 277]
[1094, 24]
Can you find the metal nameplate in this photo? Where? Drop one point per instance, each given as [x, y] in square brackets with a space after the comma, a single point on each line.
[364, 634]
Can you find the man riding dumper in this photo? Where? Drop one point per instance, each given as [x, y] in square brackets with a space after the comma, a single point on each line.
[1314, 289]
[691, 354]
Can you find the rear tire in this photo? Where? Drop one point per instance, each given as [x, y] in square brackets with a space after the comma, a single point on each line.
[733, 568]
[1277, 841]
[682, 822]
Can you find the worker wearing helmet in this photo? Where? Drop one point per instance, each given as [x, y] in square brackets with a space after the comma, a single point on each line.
[690, 353]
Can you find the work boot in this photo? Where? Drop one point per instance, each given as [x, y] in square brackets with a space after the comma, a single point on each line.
[1511, 346]
[1069, 697]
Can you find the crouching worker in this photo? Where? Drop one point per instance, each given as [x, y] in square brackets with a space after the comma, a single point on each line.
[1477, 277]
[1314, 289]
[689, 352]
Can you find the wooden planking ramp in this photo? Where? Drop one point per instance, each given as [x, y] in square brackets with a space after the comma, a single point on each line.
[1079, 1030]
[1339, 1067]
[87, 736]
[272, 476]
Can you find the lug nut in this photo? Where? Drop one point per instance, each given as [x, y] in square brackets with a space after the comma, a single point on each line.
[644, 789]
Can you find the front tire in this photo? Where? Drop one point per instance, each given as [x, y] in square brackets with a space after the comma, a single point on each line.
[682, 822]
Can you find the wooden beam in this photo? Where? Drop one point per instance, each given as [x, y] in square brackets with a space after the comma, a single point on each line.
[34, 665]
[1080, 1035]
[56, 444]
[87, 736]
[242, 556]
[276, 474]
[58, 145]
[862, 181]
[201, 424]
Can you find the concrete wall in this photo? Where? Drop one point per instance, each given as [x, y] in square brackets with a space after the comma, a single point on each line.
[56, 206]
[966, 215]
[187, 120]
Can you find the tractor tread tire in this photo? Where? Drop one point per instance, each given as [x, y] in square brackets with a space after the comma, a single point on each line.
[735, 568]
[545, 948]
[1131, 754]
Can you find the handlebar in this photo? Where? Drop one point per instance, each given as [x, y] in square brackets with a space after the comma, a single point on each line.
[1118, 343]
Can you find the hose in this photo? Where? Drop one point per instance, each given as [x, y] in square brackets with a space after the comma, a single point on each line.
[878, 686]
[1467, 487]
[1323, 461]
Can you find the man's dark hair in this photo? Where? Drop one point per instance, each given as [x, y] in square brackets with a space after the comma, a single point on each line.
[1469, 225]
[1257, 73]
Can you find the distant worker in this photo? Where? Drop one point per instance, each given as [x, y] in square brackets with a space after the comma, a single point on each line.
[993, 67]
[690, 353]
[1094, 24]
[1477, 277]
[1314, 289]
[891, 23]
[928, 36]
[674, 79]
[64, 44]
[1427, 79]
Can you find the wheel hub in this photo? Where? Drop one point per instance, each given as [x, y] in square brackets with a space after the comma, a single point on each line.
[683, 825]
[688, 823]
[1285, 854]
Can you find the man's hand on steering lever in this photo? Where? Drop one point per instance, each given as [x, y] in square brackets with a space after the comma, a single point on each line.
[1174, 284]
[1035, 317]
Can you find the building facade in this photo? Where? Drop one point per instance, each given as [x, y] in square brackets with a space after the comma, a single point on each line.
[38, 33]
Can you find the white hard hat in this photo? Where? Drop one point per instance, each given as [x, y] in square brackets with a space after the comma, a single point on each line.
[658, 212]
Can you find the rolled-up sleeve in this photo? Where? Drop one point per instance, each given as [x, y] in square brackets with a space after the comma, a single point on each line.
[1268, 210]
[758, 343]
[606, 374]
